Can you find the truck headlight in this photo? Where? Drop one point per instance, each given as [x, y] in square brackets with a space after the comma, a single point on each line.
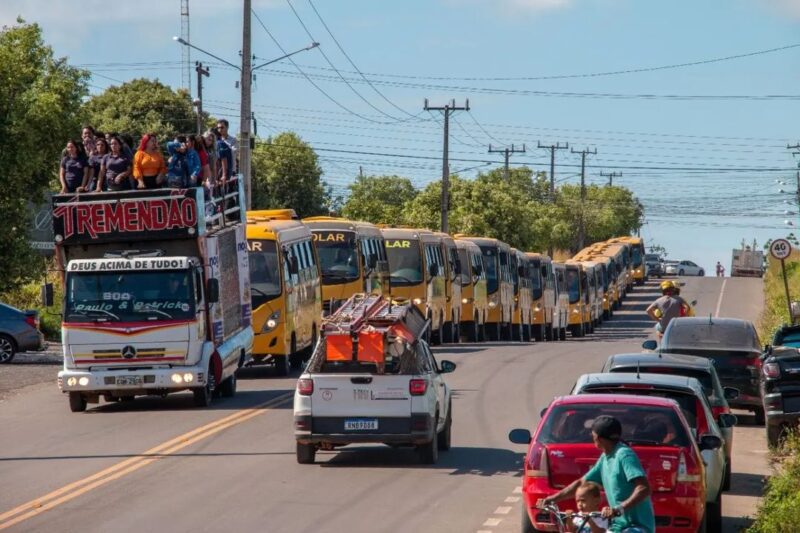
[177, 379]
[83, 381]
[72, 381]
[272, 322]
[188, 377]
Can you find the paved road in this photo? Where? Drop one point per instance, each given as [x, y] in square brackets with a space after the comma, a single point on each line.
[158, 464]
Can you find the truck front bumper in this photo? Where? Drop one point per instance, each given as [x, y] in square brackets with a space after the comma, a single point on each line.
[138, 381]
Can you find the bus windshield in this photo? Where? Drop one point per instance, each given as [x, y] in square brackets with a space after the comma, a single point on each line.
[338, 256]
[637, 257]
[536, 279]
[573, 285]
[405, 263]
[490, 261]
[265, 275]
[129, 296]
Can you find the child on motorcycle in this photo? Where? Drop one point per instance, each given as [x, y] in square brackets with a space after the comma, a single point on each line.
[587, 500]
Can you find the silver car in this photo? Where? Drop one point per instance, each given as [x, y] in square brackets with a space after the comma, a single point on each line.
[684, 268]
[689, 394]
[19, 332]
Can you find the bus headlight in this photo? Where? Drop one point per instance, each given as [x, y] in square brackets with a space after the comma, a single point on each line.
[465, 300]
[417, 301]
[537, 308]
[575, 311]
[272, 322]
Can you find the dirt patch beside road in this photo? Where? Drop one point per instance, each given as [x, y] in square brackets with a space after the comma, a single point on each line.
[31, 368]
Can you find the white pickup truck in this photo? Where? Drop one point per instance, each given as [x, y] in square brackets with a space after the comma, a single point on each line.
[400, 399]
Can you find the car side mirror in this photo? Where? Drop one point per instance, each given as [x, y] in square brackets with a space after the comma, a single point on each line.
[542, 412]
[212, 291]
[47, 294]
[650, 344]
[710, 442]
[731, 393]
[446, 366]
[520, 436]
[727, 420]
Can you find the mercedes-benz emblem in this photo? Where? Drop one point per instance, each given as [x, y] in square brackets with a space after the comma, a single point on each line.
[129, 352]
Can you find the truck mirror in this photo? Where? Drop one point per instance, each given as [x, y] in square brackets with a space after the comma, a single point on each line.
[294, 266]
[433, 269]
[372, 262]
[458, 266]
[212, 291]
[47, 294]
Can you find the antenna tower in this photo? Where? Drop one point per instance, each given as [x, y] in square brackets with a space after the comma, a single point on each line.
[186, 58]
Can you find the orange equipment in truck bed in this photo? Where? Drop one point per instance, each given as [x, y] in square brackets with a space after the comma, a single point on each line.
[366, 327]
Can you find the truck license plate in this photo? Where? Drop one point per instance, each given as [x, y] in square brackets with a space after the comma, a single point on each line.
[360, 424]
[129, 380]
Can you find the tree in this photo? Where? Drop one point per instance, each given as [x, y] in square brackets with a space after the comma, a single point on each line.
[379, 199]
[286, 174]
[39, 101]
[142, 106]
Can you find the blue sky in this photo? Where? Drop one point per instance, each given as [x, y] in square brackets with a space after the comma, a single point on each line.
[697, 215]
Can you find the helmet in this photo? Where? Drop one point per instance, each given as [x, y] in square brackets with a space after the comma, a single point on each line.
[666, 285]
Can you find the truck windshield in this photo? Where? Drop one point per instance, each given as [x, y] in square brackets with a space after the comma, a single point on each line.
[129, 296]
[573, 285]
[405, 263]
[338, 256]
[265, 275]
[490, 261]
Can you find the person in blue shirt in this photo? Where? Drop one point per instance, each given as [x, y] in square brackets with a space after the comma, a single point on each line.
[620, 473]
[183, 165]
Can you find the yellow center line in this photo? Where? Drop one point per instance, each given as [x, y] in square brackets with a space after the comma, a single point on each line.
[73, 490]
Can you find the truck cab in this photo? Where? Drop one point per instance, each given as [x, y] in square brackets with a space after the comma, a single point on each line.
[156, 294]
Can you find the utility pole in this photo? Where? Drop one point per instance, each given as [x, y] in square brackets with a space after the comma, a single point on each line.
[244, 126]
[447, 109]
[611, 176]
[581, 227]
[507, 153]
[553, 148]
[186, 58]
[198, 67]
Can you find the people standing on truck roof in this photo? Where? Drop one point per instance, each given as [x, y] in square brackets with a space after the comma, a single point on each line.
[88, 137]
[74, 172]
[225, 158]
[115, 170]
[178, 163]
[199, 146]
[149, 167]
[222, 129]
[127, 142]
[96, 161]
[210, 144]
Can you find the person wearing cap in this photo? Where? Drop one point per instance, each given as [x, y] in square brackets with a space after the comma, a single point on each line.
[620, 473]
[665, 308]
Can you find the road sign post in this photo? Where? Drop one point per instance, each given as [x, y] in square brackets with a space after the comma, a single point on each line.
[781, 249]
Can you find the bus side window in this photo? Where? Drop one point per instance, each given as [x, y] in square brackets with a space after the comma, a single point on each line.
[287, 266]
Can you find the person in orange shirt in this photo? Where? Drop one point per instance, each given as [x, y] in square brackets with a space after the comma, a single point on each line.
[149, 168]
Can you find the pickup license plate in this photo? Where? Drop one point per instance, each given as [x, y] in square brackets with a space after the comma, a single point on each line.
[128, 380]
[360, 424]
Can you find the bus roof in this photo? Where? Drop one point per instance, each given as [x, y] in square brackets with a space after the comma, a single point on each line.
[273, 214]
[484, 241]
[468, 245]
[402, 233]
[342, 224]
[276, 230]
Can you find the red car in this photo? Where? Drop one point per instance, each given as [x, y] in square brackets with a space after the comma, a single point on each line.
[561, 451]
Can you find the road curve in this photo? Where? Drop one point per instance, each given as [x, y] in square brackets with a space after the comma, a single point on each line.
[158, 463]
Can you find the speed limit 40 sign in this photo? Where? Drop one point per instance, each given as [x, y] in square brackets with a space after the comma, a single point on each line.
[780, 249]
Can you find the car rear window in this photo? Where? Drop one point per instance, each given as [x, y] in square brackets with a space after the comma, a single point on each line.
[641, 425]
[687, 402]
[791, 339]
[684, 334]
[702, 376]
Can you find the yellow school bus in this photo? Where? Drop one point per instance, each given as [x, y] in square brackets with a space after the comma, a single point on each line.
[610, 296]
[496, 259]
[594, 273]
[352, 259]
[621, 252]
[417, 271]
[452, 289]
[579, 305]
[521, 281]
[285, 288]
[474, 300]
[561, 312]
[543, 296]
[638, 269]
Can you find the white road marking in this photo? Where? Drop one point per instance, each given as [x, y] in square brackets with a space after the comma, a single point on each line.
[517, 490]
[484, 531]
[491, 522]
[512, 499]
[502, 510]
[721, 293]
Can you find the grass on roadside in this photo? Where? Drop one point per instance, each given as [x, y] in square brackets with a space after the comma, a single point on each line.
[779, 511]
[776, 310]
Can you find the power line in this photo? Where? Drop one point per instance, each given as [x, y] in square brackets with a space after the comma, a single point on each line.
[506, 155]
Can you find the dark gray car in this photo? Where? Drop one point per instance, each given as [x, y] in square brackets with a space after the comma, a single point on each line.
[19, 332]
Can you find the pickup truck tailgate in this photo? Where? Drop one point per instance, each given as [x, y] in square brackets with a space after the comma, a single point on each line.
[361, 395]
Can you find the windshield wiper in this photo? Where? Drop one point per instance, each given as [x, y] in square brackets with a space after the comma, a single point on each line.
[403, 278]
[334, 275]
[88, 313]
[148, 309]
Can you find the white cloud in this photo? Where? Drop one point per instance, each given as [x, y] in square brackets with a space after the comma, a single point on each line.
[790, 8]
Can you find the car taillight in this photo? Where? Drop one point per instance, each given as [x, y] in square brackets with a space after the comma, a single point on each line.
[538, 465]
[32, 320]
[719, 410]
[771, 370]
[684, 476]
[305, 386]
[417, 387]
